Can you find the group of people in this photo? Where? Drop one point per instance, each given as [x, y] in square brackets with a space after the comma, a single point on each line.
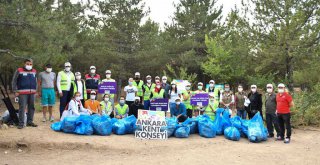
[79, 96]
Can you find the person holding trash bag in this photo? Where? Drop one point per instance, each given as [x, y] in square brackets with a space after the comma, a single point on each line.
[64, 80]
[106, 106]
[46, 84]
[75, 108]
[227, 99]
[79, 85]
[92, 104]
[24, 85]
[240, 97]
[186, 95]
[92, 81]
[122, 109]
[271, 108]
[134, 107]
[179, 111]
[138, 83]
[284, 103]
[255, 102]
[147, 89]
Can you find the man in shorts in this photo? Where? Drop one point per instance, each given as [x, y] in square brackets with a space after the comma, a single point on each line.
[46, 81]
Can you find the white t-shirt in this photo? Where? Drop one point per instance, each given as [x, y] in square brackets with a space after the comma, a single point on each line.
[131, 92]
[173, 96]
[80, 89]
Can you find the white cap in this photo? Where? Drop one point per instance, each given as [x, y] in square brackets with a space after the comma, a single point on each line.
[173, 83]
[211, 81]
[137, 74]
[269, 85]
[281, 85]
[157, 77]
[137, 98]
[92, 67]
[93, 92]
[67, 64]
[148, 76]
[164, 77]
[211, 94]
[108, 71]
[77, 74]
[200, 83]
[253, 86]
[188, 84]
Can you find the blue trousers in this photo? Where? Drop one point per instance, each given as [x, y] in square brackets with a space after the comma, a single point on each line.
[146, 104]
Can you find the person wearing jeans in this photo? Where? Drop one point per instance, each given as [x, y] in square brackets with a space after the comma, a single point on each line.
[284, 103]
[271, 117]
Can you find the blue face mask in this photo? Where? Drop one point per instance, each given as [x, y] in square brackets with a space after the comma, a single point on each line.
[130, 83]
[121, 102]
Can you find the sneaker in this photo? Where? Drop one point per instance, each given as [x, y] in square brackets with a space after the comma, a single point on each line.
[270, 136]
[51, 119]
[44, 119]
[20, 126]
[32, 125]
[279, 138]
[287, 140]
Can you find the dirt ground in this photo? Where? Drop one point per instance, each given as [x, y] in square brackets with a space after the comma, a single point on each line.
[41, 145]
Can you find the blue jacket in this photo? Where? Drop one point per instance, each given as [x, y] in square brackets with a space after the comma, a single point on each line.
[181, 110]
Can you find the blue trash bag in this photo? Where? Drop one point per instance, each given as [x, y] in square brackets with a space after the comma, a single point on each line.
[130, 124]
[56, 126]
[236, 122]
[182, 131]
[244, 128]
[221, 120]
[232, 133]
[119, 127]
[256, 130]
[171, 126]
[68, 125]
[114, 120]
[207, 128]
[102, 125]
[84, 125]
[192, 123]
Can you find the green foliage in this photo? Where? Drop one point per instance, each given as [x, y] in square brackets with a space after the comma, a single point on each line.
[179, 73]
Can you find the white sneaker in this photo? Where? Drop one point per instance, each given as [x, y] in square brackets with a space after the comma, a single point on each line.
[44, 119]
[51, 119]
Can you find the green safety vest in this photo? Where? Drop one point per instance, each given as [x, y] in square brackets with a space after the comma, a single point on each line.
[105, 108]
[64, 80]
[121, 110]
[208, 110]
[139, 87]
[110, 80]
[75, 89]
[215, 92]
[156, 95]
[147, 91]
[187, 102]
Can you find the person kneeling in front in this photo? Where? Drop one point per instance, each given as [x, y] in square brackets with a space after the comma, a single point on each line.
[122, 109]
[179, 111]
[75, 108]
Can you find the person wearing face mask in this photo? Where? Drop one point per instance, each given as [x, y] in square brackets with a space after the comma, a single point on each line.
[138, 83]
[165, 86]
[199, 110]
[92, 81]
[122, 109]
[64, 80]
[157, 92]
[186, 95]
[130, 91]
[240, 97]
[92, 104]
[109, 79]
[147, 89]
[106, 106]
[173, 94]
[75, 108]
[255, 102]
[46, 83]
[212, 89]
[134, 107]
[210, 110]
[227, 98]
[79, 85]
[284, 103]
[179, 111]
[271, 116]
[24, 85]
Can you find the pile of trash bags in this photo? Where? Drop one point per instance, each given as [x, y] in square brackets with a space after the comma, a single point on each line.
[232, 128]
[96, 124]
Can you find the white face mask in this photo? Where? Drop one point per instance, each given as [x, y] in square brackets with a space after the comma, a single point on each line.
[93, 71]
[173, 86]
[108, 75]
[78, 98]
[240, 89]
[28, 67]
[92, 97]
[211, 85]
[254, 90]
[49, 70]
[67, 69]
[227, 89]
[178, 103]
[158, 86]
[130, 83]
[187, 88]
[121, 101]
[78, 77]
[106, 99]
[281, 90]
[164, 81]
[269, 90]
[148, 81]
[199, 87]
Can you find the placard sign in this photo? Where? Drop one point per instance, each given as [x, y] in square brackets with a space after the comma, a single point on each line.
[149, 125]
[200, 99]
[159, 104]
[107, 88]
